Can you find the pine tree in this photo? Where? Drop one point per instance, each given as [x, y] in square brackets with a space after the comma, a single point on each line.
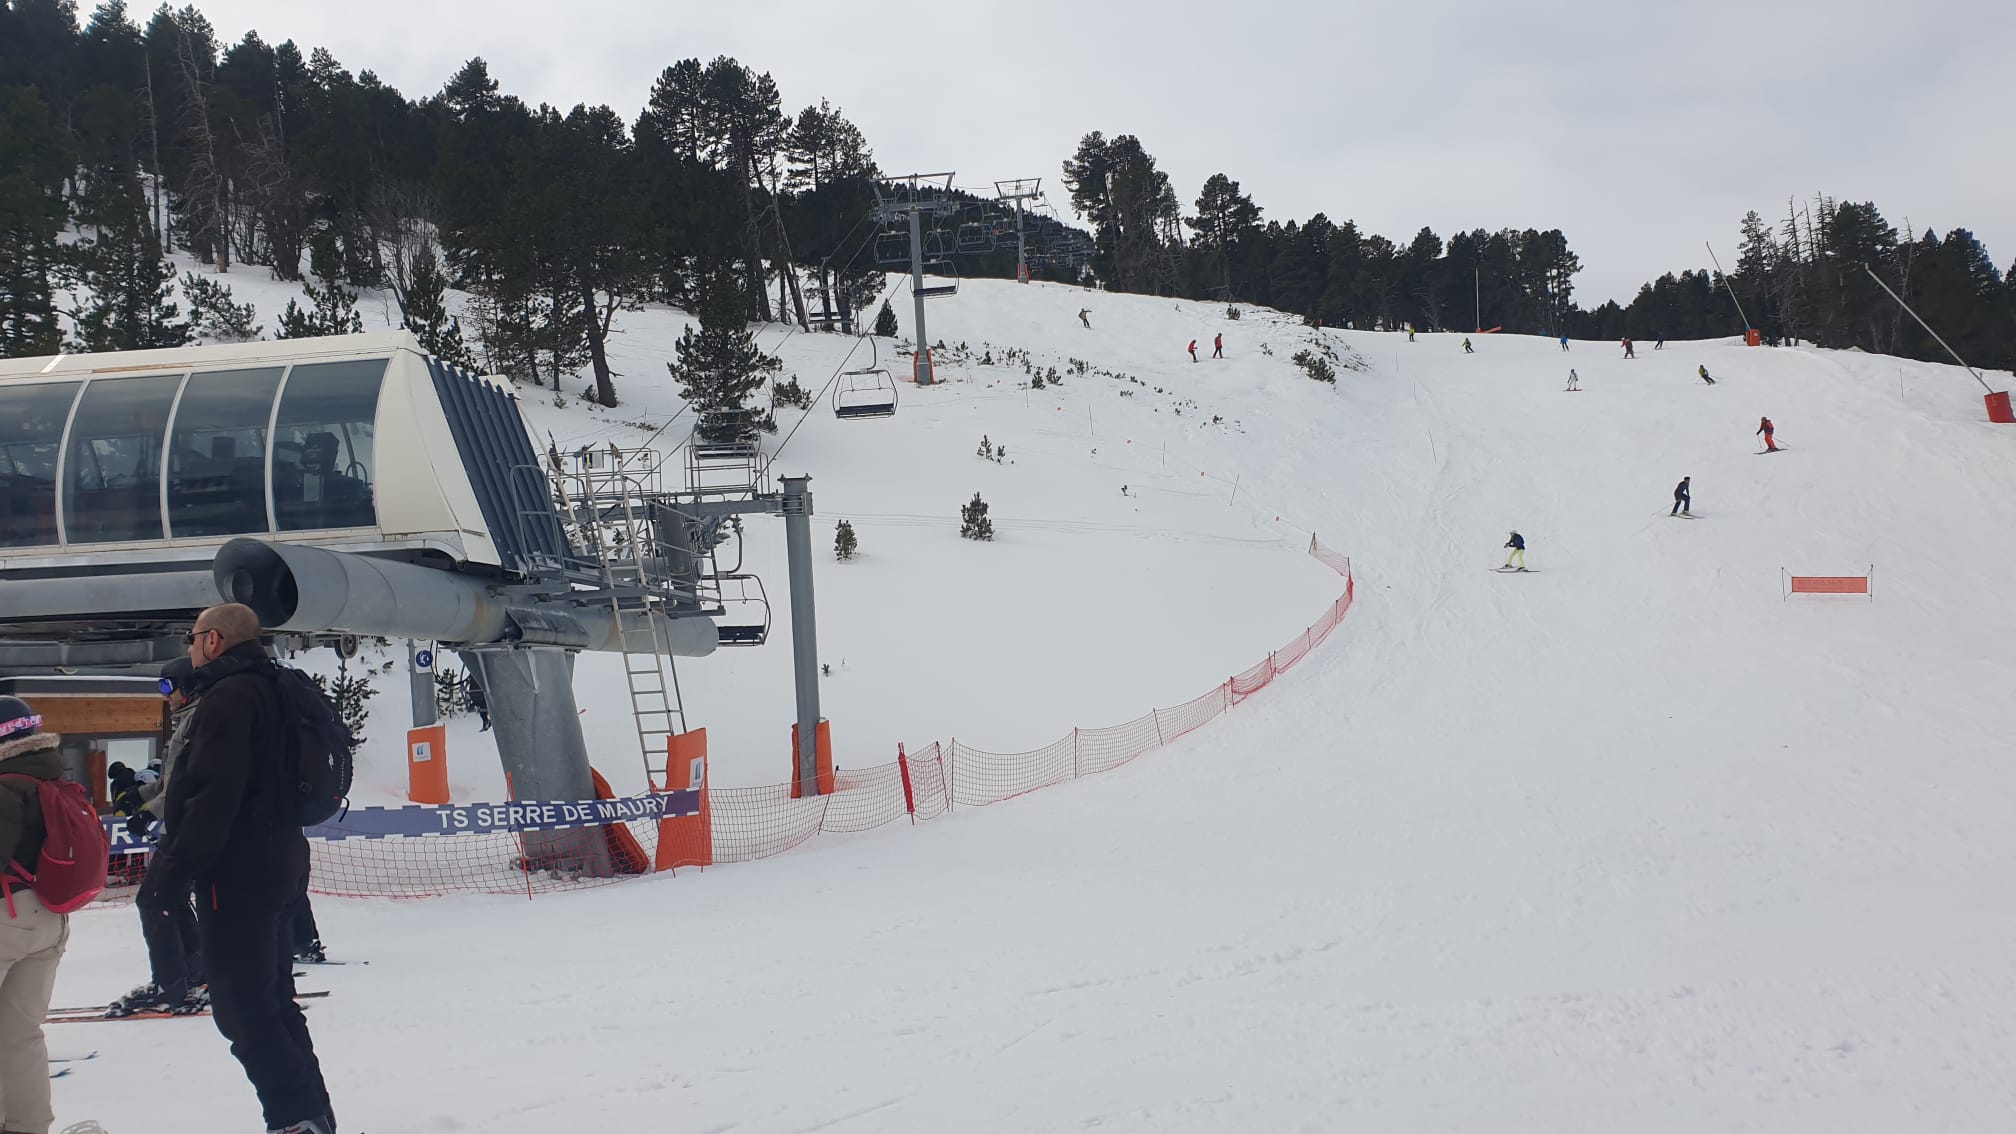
[214, 315]
[125, 286]
[332, 307]
[32, 211]
[986, 450]
[719, 365]
[885, 321]
[844, 543]
[423, 309]
[973, 521]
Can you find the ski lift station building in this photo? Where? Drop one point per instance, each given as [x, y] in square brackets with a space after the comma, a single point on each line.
[351, 484]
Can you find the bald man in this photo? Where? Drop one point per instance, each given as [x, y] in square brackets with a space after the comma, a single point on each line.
[233, 838]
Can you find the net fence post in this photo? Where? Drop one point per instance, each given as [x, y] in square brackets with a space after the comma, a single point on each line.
[909, 796]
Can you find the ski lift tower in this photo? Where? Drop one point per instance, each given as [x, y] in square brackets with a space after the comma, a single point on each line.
[910, 197]
[1022, 189]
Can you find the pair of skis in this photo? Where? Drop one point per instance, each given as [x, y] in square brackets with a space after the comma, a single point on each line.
[96, 1013]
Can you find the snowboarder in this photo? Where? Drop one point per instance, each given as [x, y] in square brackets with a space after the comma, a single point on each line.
[1518, 545]
[1572, 379]
[1218, 346]
[1467, 348]
[1193, 350]
[1564, 341]
[1765, 427]
[1085, 317]
[1628, 352]
[1704, 376]
[1659, 342]
[1683, 498]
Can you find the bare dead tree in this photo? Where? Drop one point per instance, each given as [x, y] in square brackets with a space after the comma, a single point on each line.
[209, 226]
[275, 196]
[157, 216]
[404, 222]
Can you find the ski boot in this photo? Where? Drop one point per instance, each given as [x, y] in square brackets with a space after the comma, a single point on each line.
[194, 1003]
[148, 997]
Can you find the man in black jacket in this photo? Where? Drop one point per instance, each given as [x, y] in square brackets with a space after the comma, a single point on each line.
[1683, 498]
[233, 837]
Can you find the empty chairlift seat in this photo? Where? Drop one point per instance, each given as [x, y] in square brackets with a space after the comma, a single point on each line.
[975, 238]
[892, 249]
[864, 393]
[744, 615]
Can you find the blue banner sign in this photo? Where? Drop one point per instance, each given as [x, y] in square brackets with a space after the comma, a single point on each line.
[424, 821]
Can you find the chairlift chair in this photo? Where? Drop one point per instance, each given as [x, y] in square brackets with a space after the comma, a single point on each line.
[744, 617]
[943, 269]
[864, 393]
[892, 249]
[975, 239]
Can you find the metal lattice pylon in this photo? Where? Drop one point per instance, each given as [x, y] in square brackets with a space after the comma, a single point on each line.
[610, 509]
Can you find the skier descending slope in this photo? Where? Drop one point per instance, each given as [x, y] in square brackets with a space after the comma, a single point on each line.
[1572, 380]
[1683, 499]
[1193, 350]
[1704, 376]
[1765, 427]
[1518, 545]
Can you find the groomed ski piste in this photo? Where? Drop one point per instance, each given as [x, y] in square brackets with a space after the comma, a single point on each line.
[1630, 842]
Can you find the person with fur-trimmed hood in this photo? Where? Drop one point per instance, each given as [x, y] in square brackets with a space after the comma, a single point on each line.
[33, 939]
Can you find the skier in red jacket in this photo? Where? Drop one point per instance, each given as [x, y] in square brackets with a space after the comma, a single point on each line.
[1765, 427]
[1193, 350]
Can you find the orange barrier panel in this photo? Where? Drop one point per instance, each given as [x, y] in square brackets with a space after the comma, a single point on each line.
[625, 853]
[687, 840]
[1830, 584]
[823, 741]
[1753, 337]
[427, 764]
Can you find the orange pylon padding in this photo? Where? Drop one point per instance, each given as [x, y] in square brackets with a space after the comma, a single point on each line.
[626, 854]
[687, 840]
[824, 743]
[427, 764]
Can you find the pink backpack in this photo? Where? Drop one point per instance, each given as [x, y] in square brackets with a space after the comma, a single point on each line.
[70, 871]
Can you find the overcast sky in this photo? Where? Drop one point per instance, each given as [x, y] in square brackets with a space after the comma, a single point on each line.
[1638, 129]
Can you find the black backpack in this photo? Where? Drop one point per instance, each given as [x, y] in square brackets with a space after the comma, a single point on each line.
[317, 765]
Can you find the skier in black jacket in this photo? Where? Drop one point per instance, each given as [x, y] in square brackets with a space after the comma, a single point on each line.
[233, 837]
[1683, 498]
[1518, 545]
[168, 925]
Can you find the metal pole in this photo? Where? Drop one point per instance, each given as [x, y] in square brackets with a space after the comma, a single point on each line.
[1731, 290]
[922, 366]
[804, 632]
[1929, 330]
[420, 675]
[1021, 246]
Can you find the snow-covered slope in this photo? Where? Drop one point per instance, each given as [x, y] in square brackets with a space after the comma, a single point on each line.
[1628, 842]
